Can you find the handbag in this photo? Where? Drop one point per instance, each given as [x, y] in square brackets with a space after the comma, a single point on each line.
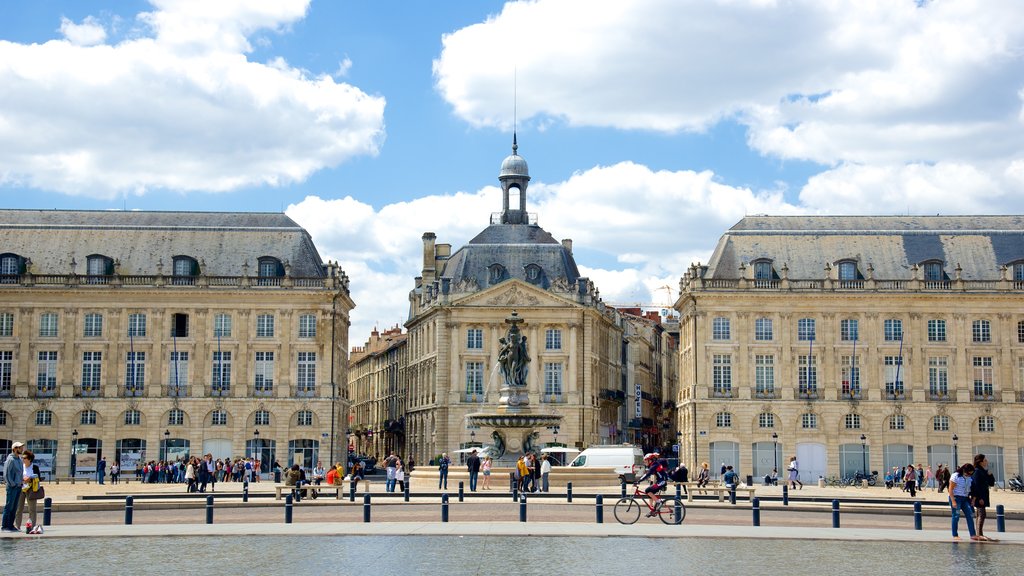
[36, 495]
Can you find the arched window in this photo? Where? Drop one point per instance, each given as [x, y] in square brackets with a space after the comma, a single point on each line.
[44, 418]
[495, 273]
[848, 270]
[270, 267]
[304, 418]
[933, 271]
[534, 274]
[176, 417]
[723, 420]
[219, 417]
[261, 418]
[763, 270]
[852, 422]
[99, 265]
[184, 269]
[88, 418]
[11, 265]
[766, 420]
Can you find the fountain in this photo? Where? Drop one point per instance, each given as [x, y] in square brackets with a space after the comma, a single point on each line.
[513, 420]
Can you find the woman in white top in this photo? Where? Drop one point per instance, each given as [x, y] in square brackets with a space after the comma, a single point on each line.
[30, 483]
[794, 474]
[960, 499]
[545, 471]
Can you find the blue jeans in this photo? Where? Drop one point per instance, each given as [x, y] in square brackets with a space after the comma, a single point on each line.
[963, 504]
[389, 483]
[472, 481]
[442, 479]
[11, 505]
[99, 476]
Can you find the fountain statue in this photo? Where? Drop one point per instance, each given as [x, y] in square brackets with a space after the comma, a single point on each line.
[513, 421]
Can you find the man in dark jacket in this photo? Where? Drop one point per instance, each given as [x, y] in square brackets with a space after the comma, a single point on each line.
[473, 464]
[981, 482]
[535, 472]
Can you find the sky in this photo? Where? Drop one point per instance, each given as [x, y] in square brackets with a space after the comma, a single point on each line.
[650, 126]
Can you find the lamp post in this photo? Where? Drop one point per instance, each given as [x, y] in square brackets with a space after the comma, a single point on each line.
[555, 430]
[472, 437]
[74, 455]
[775, 451]
[956, 457]
[864, 455]
[167, 440]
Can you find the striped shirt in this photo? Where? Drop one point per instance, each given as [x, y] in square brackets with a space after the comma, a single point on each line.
[961, 484]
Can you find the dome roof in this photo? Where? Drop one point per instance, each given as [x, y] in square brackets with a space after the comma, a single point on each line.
[514, 165]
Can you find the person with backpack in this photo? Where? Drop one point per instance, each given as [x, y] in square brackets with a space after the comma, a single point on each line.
[442, 470]
[731, 479]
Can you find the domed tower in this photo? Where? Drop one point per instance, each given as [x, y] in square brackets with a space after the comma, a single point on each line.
[515, 174]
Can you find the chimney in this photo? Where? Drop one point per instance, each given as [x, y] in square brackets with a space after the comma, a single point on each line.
[428, 257]
[567, 244]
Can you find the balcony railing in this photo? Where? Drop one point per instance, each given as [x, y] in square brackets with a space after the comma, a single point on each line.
[895, 396]
[305, 392]
[818, 284]
[171, 281]
[552, 398]
[766, 394]
[87, 392]
[940, 396]
[220, 391]
[177, 391]
[851, 395]
[722, 393]
[990, 397]
[133, 391]
[5, 392]
[807, 393]
[44, 391]
[263, 391]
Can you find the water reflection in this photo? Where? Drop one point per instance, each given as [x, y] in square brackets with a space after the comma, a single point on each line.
[470, 555]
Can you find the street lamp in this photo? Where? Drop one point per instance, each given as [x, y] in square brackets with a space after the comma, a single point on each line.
[956, 458]
[472, 437]
[775, 451]
[74, 447]
[555, 430]
[864, 455]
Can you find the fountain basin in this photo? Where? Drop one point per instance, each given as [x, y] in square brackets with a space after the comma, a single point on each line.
[513, 420]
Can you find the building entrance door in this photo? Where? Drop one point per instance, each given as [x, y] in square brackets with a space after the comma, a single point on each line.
[812, 459]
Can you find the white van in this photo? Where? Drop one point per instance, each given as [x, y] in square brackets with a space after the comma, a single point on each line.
[628, 460]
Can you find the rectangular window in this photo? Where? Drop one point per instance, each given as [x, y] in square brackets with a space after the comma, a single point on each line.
[805, 329]
[766, 420]
[6, 324]
[763, 331]
[1020, 332]
[936, 330]
[132, 418]
[894, 377]
[222, 326]
[720, 329]
[850, 377]
[897, 422]
[723, 420]
[265, 326]
[893, 330]
[137, 325]
[219, 418]
[553, 381]
[764, 375]
[807, 374]
[93, 326]
[221, 377]
[475, 339]
[135, 374]
[938, 378]
[852, 422]
[553, 339]
[304, 418]
[983, 387]
[306, 384]
[88, 418]
[6, 369]
[263, 381]
[307, 326]
[940, 423]
[262, 418]
[176, 417]
[763, 271]
[809, 421]
[981, 331]
[46, 373]
[179, 325]
[44, 418]
[987, 424]
[92, 364]
[48, 325]
[177, 374]
[721, 375]
[849, 330]
[474, 381]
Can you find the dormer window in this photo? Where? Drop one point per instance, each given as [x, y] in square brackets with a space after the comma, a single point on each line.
[11, 265]
[269, 267]
[1018, 271]
[933, 271]
[99, 265]
[495, 273]
[848, 271]
[184, 269]
[763, 270]
[534, 273]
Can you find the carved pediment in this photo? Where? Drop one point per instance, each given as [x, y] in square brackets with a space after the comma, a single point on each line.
[514, 296]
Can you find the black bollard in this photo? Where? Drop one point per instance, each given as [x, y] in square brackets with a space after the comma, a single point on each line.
[599, 508]
[47, 511]
[462, 492]
[568, 492]
[352, 493]
[679, 491]
[444, 507]
[522, 508]
[623, 482]
[917, 516]
[785, 494]
[129, 509]
[515, 492]
[209, 509]
[407, 490]
[1000, 518]
[366, 508]
[756, 507]
[835, 513]
[245, 492]
[679, 511]
[288, 509]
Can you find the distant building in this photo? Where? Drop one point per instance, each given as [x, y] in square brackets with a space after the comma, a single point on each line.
[377, 394]
[649, 373]
[855, 343]
[154, 335]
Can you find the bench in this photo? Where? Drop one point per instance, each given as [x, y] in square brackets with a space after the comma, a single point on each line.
[338, 490]
[722, 491]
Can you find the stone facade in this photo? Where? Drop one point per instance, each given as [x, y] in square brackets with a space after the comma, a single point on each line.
[145, 335]
[377, 393]
[855, 343]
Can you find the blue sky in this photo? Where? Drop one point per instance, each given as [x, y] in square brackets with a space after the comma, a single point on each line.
[650, 127]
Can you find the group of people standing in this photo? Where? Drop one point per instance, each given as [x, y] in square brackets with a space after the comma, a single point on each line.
[969, 492]
[21, 479]
[532, 473]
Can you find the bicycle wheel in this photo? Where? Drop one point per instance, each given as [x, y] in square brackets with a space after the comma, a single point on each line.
[667, 514]
[627, 510]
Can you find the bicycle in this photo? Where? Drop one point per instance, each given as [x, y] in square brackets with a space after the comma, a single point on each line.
[627, 509]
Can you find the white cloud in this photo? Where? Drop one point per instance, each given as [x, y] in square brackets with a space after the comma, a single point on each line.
[167, 109]
[88, 33]
[880, 82]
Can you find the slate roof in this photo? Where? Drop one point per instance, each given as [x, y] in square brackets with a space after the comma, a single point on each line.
[513, 246]
[981, 245]
[139, 240]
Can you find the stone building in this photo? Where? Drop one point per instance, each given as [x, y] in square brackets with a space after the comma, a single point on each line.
[649, 373]
[855, 343]
[377, 389]
[153, 335]
[457, 314]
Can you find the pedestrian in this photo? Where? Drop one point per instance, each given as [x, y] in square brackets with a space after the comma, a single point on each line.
[910, 480]
[115, 472]
[522, 473]
[190, 474]
[946, 476]
[13, 472]
[485, 467]
[31, 492]
[101, 469]
[731, 479]
[442, 470]
[535, 472]
[704, 476]
[400, 477]
[545, 473]
[980, 484]
[356, 475]
[473, 465]
[794, 474]
[929, 478]
[960, 499]
[390, 465]
[721, 473]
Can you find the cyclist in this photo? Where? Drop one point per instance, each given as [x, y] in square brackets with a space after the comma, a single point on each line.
[655, 468]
